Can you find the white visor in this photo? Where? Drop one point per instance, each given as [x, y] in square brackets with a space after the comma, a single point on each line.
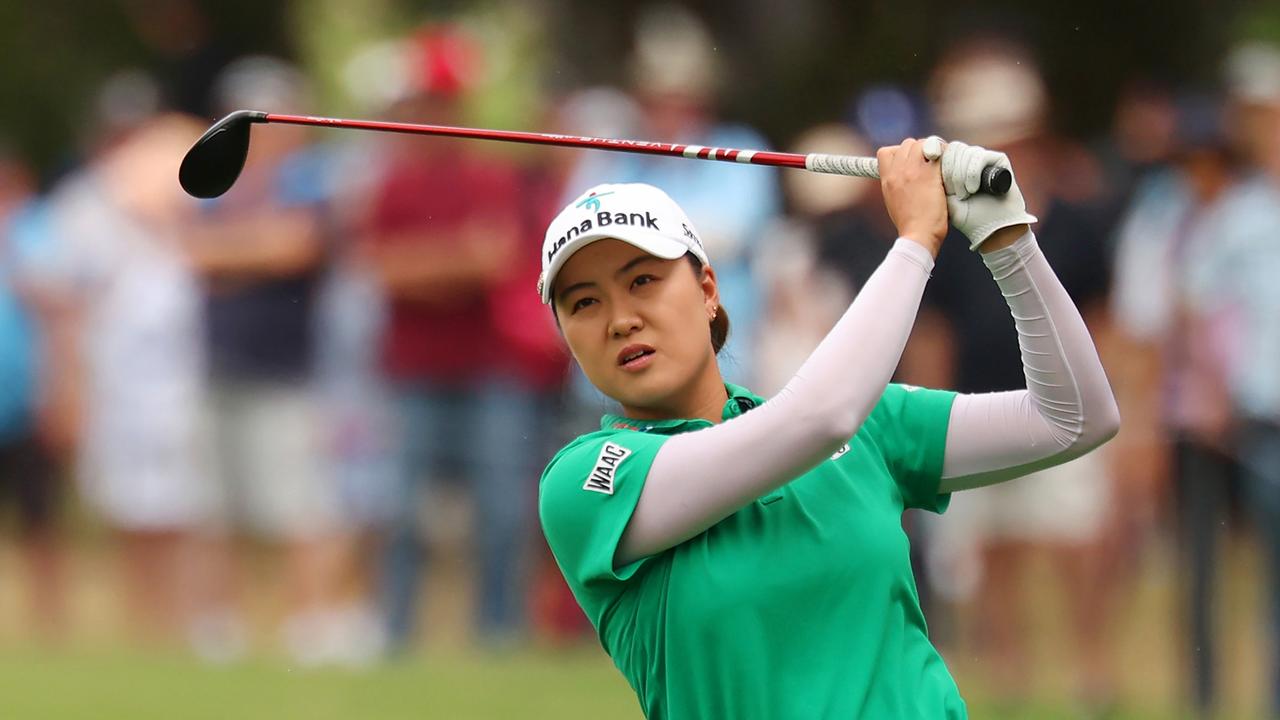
[639, 214]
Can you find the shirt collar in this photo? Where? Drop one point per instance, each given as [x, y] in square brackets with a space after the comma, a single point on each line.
[740, 400]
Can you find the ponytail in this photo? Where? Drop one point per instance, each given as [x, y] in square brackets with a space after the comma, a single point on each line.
[720, 322]
[719, 328]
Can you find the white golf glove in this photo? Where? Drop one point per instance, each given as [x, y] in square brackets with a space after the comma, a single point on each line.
[977, 215]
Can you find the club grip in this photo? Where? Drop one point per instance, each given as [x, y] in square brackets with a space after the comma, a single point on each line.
[851, 165]
[995, 180]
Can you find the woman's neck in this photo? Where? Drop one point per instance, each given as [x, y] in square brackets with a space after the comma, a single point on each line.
[704, 399]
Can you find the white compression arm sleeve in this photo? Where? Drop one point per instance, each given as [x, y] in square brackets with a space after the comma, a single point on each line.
[1068, 407]
[699, 478]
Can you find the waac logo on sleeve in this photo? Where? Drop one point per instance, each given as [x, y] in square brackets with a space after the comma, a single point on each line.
[601, 478]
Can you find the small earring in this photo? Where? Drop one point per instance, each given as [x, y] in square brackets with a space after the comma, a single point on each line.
[714, 313]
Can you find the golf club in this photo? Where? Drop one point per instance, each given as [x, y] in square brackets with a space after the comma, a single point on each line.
[214, 162]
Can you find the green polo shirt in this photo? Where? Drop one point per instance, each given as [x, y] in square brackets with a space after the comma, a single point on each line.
[800, 605]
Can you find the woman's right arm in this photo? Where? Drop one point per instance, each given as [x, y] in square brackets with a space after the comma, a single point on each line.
[699, 478]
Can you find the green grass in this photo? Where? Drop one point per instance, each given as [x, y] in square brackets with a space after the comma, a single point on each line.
[97, 672]
[531, 684]
[111, 684]
[106, 685]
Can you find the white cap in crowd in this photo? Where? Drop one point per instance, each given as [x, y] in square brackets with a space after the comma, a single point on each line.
[1253, 73]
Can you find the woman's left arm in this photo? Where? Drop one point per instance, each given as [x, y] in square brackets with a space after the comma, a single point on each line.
[1067, 408]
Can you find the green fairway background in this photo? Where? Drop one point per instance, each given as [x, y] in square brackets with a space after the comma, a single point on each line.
[125, 685]
[99, 671]
[564, 685]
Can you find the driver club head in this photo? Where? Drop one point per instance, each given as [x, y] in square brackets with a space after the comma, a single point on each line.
[214, 162]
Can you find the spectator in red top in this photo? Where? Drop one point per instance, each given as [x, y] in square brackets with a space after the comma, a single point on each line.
[441, 227]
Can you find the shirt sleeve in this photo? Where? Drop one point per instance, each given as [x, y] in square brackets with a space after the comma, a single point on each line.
[303, 180]
[910, 428]
[731, 236]
[68, 244]
[27, 249]
[586, 498]
[1142, 273]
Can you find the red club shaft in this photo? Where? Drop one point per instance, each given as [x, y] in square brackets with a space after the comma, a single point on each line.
[753, 157]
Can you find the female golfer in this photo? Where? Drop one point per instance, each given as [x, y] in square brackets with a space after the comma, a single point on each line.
[745, 559]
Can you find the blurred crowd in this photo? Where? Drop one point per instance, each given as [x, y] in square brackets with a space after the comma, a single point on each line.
[307, 365]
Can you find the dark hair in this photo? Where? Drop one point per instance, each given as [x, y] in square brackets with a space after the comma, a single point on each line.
[720, 322]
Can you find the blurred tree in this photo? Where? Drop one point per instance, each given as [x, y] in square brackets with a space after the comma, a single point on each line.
[510, 35]
[1259, 20]
[787, 65]
[329, 34]
[792, 65]
[57, 52]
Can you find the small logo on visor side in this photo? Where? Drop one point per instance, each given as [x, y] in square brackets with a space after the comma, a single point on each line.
[592, 201]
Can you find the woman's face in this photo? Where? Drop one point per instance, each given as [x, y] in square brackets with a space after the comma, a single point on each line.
[638, 325]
